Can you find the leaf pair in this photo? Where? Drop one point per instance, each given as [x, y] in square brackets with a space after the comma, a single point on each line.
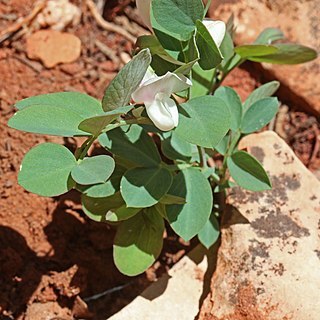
[47, 170]
[257, 111]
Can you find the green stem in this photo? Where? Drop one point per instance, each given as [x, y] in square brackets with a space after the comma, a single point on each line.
[175, 167]
[207, 7]
[85, 147]
[233, 143]
[202, 155]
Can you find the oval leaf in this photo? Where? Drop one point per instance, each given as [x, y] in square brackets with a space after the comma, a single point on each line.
[259, 114]
[45, 170]
[177, 17]
[138, 242]
[264, 91]
[118, 93]
[189, 218]
[133, 144]
[210, 55]
[97, 208]
[233, 101]
[144, 187]
[288, 54]
[175, 148]
[269, 35]
[203, 121]
[209, 234]
[120, 214]
[93, 170]
[45, 119]
[96, 124]
[80, 103]
[255, 50]
[248, 172]
[106, 189]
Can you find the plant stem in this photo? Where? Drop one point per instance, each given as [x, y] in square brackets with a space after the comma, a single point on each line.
[175, 167]
[202, 155]
[233, 143]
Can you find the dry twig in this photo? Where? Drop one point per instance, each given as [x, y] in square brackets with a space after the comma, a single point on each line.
[107, 25]
[35, 66]
[11, 30]
[108, 52]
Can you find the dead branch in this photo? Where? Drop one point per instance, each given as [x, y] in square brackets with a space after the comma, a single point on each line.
[108, 52]
[22, 23]
[107, 25]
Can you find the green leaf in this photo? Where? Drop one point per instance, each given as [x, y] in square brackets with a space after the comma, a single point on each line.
[264, 91]
[203, 115]
[201, 81]
[210, 55]
[46, 119]
[45, 170]
[138, 242]
[93, 170]
[269, 35]
[171, 199]
[106, 189]
[97, 208]
[223, 145]
[120, 214]
[189, 218]
[259, 114]
[80, 103]
[255, 50]
[133, 144]
[144, 187]
[175, 148]
[118, 93]
[227, 48]
[248, 172]
[96, 124]
[177, 17]
[287, 54]
[155, 47]
[233, 101]
[209, 234]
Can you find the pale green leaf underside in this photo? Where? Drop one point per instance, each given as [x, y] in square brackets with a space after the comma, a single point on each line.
[189, 218]
[247, 172]
[45, 170]
[138, 242]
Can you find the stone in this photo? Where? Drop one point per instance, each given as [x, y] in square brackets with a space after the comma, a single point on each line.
[175, 295]
[53, 47]
[268, 265]
[57, 15]
[47, 311]
[299, 20]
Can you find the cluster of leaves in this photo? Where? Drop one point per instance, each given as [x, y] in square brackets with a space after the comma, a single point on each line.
[137, 184]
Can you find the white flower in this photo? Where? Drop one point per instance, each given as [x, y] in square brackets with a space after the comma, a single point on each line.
[216, 28]
[155, 92]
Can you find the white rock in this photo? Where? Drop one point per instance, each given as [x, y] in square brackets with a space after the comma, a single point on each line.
[269, 261]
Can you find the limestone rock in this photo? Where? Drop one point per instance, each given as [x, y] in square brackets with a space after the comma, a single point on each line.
[47, 311]
[175, 295]
[299, 20]
[57, 15]
[268, 264]
[53, 47]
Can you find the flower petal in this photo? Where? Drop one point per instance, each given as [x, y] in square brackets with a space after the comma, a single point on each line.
[168, 84]
[143, 7]
[217, 30]
[163, 112]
